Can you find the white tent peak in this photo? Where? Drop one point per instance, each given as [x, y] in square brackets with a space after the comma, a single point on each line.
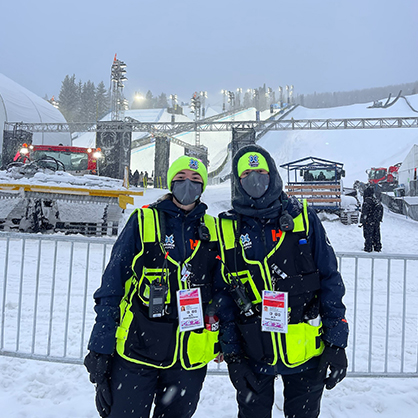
[18, 104]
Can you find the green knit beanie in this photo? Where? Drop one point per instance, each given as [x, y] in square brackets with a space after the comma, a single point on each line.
[252, 161]
[187, 163]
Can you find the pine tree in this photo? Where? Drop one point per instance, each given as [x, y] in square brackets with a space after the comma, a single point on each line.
[149, 100]
[102, 101]
[88, 103]
[78, 110]
[68, 98]
[161, 101]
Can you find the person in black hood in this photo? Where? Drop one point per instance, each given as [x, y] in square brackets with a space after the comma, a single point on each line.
[150, 342]
[371, 216]
[282, 273]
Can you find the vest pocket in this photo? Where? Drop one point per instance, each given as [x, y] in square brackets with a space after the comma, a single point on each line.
[148, 339]
[301, 343]
[200, 347]
[258, 345]
[148, 277]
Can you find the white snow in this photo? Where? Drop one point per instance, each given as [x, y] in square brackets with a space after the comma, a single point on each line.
[32, 389]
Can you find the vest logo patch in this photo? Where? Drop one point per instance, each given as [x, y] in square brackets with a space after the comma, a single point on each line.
[169, 243]
[253, 161]
[246, 241]
[193, 243]
[276, 235]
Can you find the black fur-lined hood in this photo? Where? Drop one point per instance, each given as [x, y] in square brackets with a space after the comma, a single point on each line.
[270, 204]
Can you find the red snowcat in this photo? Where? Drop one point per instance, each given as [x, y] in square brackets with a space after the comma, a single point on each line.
[74, 160]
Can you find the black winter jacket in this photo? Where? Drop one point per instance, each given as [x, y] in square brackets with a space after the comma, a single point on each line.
[371, 211]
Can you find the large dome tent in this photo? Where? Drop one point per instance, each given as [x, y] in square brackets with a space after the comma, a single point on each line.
[18, 104]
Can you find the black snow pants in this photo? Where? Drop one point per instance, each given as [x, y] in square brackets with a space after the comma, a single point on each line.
[371, 233]
[175, 391]
[302, 396]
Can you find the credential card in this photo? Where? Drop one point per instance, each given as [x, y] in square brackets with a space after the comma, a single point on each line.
[189, 304]
[274, 311]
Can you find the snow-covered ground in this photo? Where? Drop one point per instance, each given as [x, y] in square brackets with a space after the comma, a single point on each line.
[32, 389]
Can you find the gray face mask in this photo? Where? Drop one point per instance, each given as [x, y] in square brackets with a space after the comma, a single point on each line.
[186, 191]
[255, 184]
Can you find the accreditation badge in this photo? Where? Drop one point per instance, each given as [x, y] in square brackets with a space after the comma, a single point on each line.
[274, 311]
[189, 305]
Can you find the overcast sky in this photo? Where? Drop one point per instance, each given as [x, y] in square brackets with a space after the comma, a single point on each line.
[182, 46]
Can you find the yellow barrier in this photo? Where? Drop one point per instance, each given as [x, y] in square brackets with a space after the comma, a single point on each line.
[123, 196]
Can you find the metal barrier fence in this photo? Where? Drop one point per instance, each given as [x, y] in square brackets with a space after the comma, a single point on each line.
[47, 312]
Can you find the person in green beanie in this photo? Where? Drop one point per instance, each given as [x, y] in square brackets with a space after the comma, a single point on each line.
[151, 340]
[290, 319]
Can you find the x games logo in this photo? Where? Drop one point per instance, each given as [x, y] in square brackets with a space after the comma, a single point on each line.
[194, 164]
[169, 242]
[246, 241]
[253, 161]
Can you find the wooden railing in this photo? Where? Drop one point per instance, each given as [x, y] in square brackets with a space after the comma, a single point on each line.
[328, 193]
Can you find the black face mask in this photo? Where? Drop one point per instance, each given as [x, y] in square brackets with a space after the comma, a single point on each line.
[187, 191]
[255, 184]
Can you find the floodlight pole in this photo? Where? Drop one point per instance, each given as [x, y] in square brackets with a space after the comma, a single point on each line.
[118, 77]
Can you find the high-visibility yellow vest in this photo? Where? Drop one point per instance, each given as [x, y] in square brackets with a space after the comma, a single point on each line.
[158, 342]
[292, 255]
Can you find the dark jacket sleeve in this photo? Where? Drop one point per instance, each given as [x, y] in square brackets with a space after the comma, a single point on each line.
[332, 308]
[108, 296]
[227, 311]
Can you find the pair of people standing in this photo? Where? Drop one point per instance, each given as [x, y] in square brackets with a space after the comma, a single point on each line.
[275, 271]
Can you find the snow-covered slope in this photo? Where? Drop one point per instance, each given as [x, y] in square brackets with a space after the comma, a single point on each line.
[356, 149]
[216, 142]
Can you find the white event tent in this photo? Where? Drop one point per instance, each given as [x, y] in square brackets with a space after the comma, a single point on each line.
[18, 104]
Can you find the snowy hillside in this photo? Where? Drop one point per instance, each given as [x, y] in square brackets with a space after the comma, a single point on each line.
[358, 149]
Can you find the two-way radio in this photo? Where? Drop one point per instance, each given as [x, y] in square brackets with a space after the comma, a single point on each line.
[158, 293]
[238, 293]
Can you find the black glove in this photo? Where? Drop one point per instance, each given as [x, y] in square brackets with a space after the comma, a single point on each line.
[242, 377]
[335, 358]
[99, 367]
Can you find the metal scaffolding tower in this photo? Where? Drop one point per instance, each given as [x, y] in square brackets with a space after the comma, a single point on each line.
[195, 106]
[118, 77]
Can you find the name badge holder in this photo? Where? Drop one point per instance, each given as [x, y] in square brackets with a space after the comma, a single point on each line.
[189, 304]
[274, 311]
